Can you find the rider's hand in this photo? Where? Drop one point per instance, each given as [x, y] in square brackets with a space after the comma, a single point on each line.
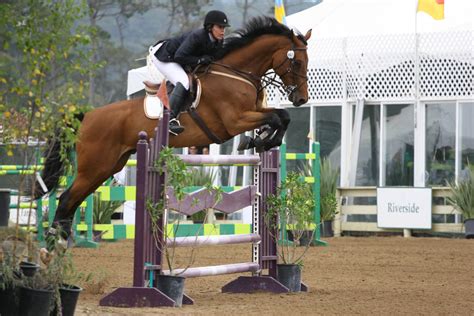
[205, 60]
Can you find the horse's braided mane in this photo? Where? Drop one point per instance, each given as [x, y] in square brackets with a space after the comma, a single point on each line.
[254, 28]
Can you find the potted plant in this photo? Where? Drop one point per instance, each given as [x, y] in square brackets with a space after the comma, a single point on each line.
[36, 295]
[329, 202]
[21, 284]
[10, 278]
[177, 177]
[63, 277]
[293, 204]
[17, 262]
[462, 198]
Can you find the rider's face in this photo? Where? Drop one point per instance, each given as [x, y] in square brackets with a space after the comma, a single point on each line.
[217, 32]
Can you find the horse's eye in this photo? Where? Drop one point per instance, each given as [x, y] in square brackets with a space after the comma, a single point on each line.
[297, 64]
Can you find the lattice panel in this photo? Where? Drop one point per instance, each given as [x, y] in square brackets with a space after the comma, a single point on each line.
[383, 67]
[449, 73]
[379, 66]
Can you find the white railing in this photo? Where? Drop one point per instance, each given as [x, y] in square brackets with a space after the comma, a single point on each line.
[344, 194]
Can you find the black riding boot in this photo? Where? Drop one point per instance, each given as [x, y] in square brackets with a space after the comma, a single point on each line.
[177, 101]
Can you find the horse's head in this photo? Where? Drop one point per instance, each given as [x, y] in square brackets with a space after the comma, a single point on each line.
[291, 64]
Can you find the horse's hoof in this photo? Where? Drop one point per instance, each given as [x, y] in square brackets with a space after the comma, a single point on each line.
[57, 238]
[45, 256]
[259, 145]
[246, 142]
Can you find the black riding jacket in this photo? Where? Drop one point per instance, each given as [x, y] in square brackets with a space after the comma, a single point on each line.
[188, 48]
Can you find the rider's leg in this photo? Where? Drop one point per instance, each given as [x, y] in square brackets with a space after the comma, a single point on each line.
[177, 76]
[177, 102]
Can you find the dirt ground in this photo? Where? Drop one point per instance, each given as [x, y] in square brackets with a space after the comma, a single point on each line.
[353, 275]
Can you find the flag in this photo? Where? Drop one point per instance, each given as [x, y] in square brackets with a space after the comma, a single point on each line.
[280, 11]
[163, 94]
[435, 8]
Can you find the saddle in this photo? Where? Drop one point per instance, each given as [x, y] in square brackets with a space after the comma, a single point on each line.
[153, 105]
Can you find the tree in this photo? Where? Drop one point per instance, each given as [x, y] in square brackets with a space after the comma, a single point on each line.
[104, 49]
[184, 14]
[44, 66]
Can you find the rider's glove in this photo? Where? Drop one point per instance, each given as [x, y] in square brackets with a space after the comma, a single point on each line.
[205, 60]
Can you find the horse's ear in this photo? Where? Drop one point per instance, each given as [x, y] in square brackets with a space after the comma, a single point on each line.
[308, 34]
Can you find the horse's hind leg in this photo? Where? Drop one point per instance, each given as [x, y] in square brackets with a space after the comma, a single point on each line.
[84, 184]
[87, 181]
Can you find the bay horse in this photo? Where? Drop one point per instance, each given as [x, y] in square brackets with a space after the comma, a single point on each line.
[230, 104]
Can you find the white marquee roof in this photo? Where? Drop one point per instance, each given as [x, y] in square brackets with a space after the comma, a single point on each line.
[343, 18]
[360, 32]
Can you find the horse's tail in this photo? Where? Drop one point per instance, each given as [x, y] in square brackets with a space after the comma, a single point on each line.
[53, 165]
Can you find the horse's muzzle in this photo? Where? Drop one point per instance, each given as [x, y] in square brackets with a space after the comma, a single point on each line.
[297, 100]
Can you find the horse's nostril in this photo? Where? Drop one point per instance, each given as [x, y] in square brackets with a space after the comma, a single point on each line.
[301, 101]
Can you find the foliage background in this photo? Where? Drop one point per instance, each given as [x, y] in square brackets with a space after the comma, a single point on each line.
[58, 58]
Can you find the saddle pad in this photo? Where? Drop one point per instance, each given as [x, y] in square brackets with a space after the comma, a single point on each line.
[153, 107]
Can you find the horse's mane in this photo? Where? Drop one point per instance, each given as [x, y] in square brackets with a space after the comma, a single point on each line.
[256, 27]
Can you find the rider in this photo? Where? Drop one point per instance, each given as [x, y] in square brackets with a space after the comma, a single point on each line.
[173, 57]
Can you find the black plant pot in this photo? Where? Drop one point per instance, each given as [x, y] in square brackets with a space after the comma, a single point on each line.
[469, 228]
[29, 268]
[9, 300]
[290, 276]
[35, 302]
[173, 287]
[326, 229]
[69, 296]
[4, 207]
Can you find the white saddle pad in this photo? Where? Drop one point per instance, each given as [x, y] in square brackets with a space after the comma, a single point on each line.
[153, 107]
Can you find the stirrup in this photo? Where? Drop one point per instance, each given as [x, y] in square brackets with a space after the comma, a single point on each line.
[175, 127]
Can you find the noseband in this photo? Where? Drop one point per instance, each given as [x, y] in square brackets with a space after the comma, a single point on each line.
[270, 77]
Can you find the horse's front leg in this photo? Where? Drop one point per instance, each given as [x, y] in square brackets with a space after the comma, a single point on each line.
[273, 133]
[251, 120]
[277, 138]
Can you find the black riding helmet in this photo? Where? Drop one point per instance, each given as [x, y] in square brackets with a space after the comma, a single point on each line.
[216, 17]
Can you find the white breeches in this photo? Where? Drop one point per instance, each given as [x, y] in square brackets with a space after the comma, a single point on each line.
[172, 71]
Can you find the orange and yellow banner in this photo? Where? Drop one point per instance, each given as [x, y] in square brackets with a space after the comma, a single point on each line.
[435, 8]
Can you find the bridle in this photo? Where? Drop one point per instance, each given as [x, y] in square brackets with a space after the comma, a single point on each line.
[270, 78]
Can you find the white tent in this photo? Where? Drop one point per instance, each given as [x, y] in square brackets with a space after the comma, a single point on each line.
[366, 50]
[334, 19]
[342, 18]
[137, 76]
[135, 80]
